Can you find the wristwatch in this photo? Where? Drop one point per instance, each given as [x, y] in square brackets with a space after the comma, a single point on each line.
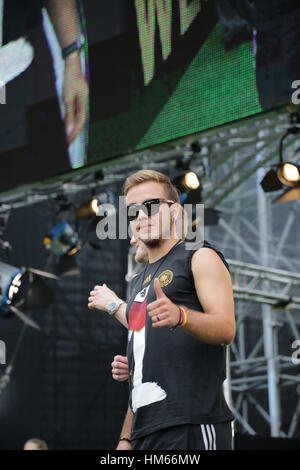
[113, 306]
[74, 46]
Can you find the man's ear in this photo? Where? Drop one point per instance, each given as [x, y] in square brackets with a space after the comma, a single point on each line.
[179, 219]
[175, 211]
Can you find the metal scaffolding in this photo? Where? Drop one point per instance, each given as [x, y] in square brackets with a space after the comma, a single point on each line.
[260, 238]
[262, 367]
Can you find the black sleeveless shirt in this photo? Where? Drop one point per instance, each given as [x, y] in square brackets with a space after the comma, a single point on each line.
[173, 377]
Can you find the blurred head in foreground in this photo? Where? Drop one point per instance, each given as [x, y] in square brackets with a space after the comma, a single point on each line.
[35, 444]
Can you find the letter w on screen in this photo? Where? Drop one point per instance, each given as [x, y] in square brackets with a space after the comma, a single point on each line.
[147, 12]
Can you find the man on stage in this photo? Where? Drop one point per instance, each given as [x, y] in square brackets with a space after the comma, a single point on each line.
[180, 318]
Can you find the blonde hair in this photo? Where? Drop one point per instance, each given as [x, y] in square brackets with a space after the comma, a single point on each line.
[142, 176]
[171, 192]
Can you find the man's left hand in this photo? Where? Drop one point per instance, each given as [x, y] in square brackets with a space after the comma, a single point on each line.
[162, 311]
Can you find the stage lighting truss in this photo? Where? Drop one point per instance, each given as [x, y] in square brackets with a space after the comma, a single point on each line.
[212, 151]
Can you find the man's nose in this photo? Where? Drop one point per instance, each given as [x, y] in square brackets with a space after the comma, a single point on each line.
[133, 241]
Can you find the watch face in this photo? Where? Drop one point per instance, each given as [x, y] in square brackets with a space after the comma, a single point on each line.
[112, 308]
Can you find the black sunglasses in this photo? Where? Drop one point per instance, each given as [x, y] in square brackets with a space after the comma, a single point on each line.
[149, 207]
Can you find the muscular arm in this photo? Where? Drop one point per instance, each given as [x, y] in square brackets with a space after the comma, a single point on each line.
[126, 431]
[214, 290]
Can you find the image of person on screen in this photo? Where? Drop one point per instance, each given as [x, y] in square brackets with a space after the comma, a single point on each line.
[64, 17]
[33, 134]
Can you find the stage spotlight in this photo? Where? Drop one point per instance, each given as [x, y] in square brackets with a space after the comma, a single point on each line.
[95, 204]
[94, 210]
[23, 288]
[89, 209]
[284, 174]
[289, 174]
[190, 192]
[191, 180]
[187, 182]
[64, 242]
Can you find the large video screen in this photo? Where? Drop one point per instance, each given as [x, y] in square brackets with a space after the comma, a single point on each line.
[141, 72]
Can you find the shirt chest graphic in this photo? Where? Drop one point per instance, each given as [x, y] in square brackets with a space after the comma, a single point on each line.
[137, 311]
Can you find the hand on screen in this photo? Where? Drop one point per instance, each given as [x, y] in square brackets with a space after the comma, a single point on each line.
[15, 57]
[75, 95]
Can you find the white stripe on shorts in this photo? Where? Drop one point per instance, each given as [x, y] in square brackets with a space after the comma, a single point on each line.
[214, 437]
[204, 437]
[209, 436]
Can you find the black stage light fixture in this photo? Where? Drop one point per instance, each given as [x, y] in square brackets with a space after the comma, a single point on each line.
[270, 182]
[63, 242]
[190, 191]
[22, 289]
[284, 174]
[95, 209]
[187, 182]
[90, 209]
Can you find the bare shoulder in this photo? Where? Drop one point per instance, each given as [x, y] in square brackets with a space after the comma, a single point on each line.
[205, 260]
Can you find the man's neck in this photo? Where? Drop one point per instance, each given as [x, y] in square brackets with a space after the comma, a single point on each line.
[156, 253]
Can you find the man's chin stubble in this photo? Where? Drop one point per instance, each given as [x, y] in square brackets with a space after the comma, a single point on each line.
[152, 242]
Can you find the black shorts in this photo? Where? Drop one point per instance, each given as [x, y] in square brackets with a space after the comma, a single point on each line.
[189, 437]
